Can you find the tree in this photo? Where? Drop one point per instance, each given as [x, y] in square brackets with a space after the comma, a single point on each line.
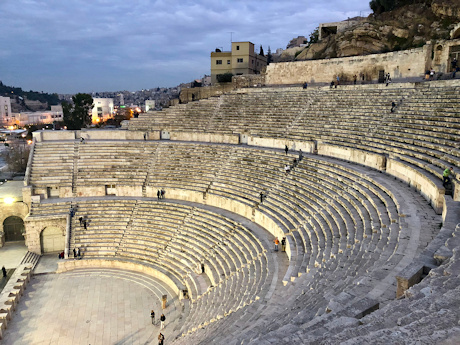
[380, 6]
[16, 157]
[269, 56]
[122, 114]
[78, 114]
[314, 36]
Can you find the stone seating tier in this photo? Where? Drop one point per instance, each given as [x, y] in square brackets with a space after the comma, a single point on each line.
[175, 238]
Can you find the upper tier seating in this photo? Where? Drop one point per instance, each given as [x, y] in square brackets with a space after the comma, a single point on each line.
[423, 132]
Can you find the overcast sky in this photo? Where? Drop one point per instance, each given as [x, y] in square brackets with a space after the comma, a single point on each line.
[69, 46]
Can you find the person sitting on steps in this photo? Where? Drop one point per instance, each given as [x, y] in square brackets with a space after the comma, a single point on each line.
[446, 175]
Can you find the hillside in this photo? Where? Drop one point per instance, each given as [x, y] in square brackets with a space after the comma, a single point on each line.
[405, 27]
[28, 100]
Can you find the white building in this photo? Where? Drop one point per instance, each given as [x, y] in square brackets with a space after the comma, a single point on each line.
[5, 110]
[37, 117]
[149, 104]
[102, 110]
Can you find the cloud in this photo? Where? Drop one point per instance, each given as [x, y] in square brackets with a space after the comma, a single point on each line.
[62, 46]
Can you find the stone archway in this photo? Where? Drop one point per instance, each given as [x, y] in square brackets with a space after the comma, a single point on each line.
[52, 239]
[13, 227]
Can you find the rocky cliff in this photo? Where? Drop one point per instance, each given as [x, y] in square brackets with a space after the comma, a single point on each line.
[403, 28]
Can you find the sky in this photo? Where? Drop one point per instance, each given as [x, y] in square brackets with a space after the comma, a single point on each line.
[70, 46]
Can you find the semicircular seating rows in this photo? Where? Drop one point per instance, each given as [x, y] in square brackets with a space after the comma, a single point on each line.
[339, 219]
[350, 229]
[423, 131]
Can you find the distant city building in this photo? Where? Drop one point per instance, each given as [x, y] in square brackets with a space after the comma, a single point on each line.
[206, 80]
[241, 60]
[297, 42]
[149, 104]
[102, 110]
[9, 118]
[5, 110]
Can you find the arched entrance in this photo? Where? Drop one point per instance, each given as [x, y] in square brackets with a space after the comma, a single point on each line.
[13, 228]
[52, 239]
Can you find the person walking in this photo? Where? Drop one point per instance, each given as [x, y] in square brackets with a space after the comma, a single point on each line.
[81, 220]
[152, 315]
[161, 339]
[286, 149]
[283, 244]
[158, 194]
[4, 272]
[162, 321]
[74, 253]
[261, 197]
[162, 193]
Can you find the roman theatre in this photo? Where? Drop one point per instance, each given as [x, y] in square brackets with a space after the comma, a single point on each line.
[372, 234]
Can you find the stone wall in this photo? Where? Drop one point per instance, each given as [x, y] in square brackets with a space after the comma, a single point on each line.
[305, 146]
[248, 80]
[97, 134]
[402, 64]
[442, 59]
[35, 226]
[69, 265]
[197, 93]
[17, 209]
[206, 137]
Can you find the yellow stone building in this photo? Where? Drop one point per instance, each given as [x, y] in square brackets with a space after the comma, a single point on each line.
[241, 60]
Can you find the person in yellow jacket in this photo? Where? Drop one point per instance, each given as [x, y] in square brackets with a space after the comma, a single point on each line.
[446, 175]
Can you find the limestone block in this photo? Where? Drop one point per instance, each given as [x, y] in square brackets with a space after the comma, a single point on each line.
[408, 277]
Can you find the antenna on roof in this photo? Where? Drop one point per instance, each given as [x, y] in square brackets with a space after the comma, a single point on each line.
[231, 39]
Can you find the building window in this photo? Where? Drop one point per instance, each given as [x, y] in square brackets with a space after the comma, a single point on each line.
[240, 60]
[237, 47]
[218, 62]
[228, 62]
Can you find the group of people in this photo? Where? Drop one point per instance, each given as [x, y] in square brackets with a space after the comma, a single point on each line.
[161, 337]
[387, 79]
[162, 319]
[83, 222]
[429, 74]
[160, 193]
[283, 244]
[287, 167]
